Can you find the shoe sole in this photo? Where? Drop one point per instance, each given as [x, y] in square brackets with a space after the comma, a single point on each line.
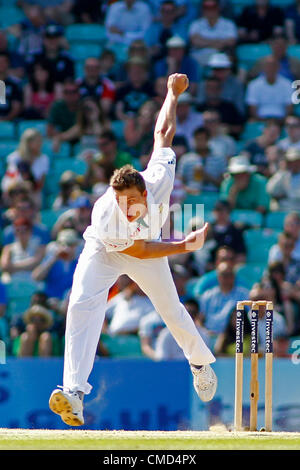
[60, 405]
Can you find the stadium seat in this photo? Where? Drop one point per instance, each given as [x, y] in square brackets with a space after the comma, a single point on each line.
[238, 6]
[50, 216]
[248, 54]
[79, 33]
[74, 164]
[252, 130]
[7, 147]
[10, 15]
[7, 130]
[251, 272]
[282, 3]
[247, 217]
[80, 52]
[208, 199]
[120, 51]
[190, 286]
[294, 51]
[118, 128]
[275, 220]
[122, 345]
[64, 151]
[40, 125]
[258, 243]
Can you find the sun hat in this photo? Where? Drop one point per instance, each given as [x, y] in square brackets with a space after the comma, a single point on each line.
[38, 310]
[240, 164]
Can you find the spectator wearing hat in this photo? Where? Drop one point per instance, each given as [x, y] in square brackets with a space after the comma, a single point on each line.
[225, 233]
[292, 131]
[12, 107]
[59, 263]
[138, 48]
[223, 143]
[188, 120]
[77, 218]
[177, 60]
[201, 169]
[289, 66]
[58, 61]
[63, 112]
[127, 20]
[37, 339]
[232, 89]
[136, 91]
[20, 257]
[257, 149]
[284, 185]
[269, 95]
[231, 119]
[243, 188]
[166, 26]
[69, 190]
[259, 22]
[211, 33]
[92, 84]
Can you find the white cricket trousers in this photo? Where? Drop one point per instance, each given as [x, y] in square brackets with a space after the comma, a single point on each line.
[95, 273]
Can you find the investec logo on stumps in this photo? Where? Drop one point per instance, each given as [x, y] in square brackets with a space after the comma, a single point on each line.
[269, 331]
[254, 339]
[239, 342]
[2, 92]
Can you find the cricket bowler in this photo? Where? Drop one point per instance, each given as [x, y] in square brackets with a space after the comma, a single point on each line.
[125, 238]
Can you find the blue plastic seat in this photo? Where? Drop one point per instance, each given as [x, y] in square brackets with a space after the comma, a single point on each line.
[252, 130]
[238, 5]
[62, 164]
[251, 272]
[7, 147]
[247, 217]
[118, 128]
[248, 54]
[7, 130]
[40, 125]
[258, 243]
[86, 33]
[122, 345]
[80, 52]
[50, 216]
[275, 220]
[10, 15]
[120, 51]
[64, 151]
[294, 51]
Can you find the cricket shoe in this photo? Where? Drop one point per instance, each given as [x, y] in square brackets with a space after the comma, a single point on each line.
[68, 405]
[205, 382]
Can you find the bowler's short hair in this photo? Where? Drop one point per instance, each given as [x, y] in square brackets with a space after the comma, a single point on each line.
[127, 177]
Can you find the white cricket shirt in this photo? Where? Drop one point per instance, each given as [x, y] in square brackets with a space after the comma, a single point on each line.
[111, 229]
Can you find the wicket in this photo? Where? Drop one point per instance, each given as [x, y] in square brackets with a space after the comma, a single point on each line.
[239, 358]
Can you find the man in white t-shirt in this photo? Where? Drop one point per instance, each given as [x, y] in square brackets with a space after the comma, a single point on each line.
[269, 95]
[124, 238]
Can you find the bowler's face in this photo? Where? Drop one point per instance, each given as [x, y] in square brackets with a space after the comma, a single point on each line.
[132, 203]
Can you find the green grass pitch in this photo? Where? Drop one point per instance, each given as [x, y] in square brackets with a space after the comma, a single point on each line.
[26, 439]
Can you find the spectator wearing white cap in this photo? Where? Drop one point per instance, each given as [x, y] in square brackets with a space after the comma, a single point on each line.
[284, 185]
[232, 89]
[187, 118]
[292, 138]
[243, 188]
[178, 61]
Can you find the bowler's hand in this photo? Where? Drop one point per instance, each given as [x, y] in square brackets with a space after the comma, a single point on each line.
[195, 240]
[178, 83]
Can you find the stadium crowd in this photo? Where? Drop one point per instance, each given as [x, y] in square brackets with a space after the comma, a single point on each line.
[84, 82]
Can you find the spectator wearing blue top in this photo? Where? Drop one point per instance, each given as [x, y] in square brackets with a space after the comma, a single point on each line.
[178, 61]
[163, 29]
[58, 264]
[25, 207]
[216, 304]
